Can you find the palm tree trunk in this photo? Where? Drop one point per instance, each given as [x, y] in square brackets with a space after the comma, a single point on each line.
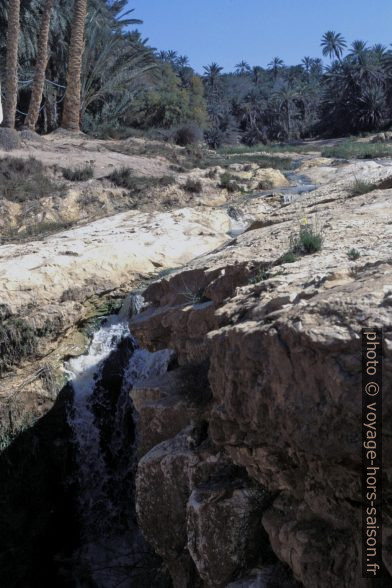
[11, 66]
[71, 111]
[40, 68]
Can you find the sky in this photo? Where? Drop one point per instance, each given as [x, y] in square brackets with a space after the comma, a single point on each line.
[228, 31]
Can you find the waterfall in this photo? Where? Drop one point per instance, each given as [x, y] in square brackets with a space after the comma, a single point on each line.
[101, 421]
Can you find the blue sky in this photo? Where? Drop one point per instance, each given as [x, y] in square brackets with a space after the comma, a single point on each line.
[227, 31]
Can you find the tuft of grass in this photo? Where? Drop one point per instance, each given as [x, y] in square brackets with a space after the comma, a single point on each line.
[288, 257]
[307, 241]
[22, 180]
[125, 178]
[353, 254]
[261, 276]
[79, 174]
[362, 187]
[194, 297]
[354, 150]
[193, 186]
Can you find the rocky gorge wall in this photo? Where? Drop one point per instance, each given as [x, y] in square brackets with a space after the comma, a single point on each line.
[249, 467]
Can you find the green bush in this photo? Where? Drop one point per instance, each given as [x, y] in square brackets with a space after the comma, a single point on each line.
[79, 174]
[229, 183]
[353, 254]
[308, 240]
[193, 186]
[188, 135]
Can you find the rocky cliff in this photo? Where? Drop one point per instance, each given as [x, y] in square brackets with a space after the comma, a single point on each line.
[250, 447]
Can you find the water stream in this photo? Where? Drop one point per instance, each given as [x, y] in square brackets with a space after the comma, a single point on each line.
[103, 432]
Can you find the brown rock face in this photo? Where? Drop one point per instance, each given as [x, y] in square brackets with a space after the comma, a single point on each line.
[283, 342]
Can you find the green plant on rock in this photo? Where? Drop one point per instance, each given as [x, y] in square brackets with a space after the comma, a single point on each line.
[288, 257]
[308, 240]
[353, 254]
[260, 276]
[360, 187]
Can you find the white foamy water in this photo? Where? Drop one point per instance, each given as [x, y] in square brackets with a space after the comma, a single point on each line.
[84, 372]
[112, 543]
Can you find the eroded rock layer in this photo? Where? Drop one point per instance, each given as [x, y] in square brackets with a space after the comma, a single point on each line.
[257, 465]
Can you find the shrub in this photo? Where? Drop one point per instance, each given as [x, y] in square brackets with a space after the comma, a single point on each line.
[214, 138]
[308, 240]
[124, 178]
[229, 183]
[9, 139]
[212, 173]
[193, 186]
[188, 135]
[25, 179]
[353, 254]
[79, 174]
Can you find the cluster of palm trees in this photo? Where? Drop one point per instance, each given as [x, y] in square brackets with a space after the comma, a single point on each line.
[71, 109]
[108, 73]
[84, 59]
[352, 94]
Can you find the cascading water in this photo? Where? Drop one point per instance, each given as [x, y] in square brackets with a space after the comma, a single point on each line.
[101, 421]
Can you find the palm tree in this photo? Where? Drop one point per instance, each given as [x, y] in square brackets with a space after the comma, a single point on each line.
[333, 45]
[380, 52]
[275, 65]
[307, 64]
[317, 67]
[113, 67]
[172, 57]
[162, 55]
[11, 66]
[257, 72]
[358, 51]
[379, 48]
[287, 97]
[242, 68]
[182, 61]
[212, 73]
[40, 68]
[71, 111]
